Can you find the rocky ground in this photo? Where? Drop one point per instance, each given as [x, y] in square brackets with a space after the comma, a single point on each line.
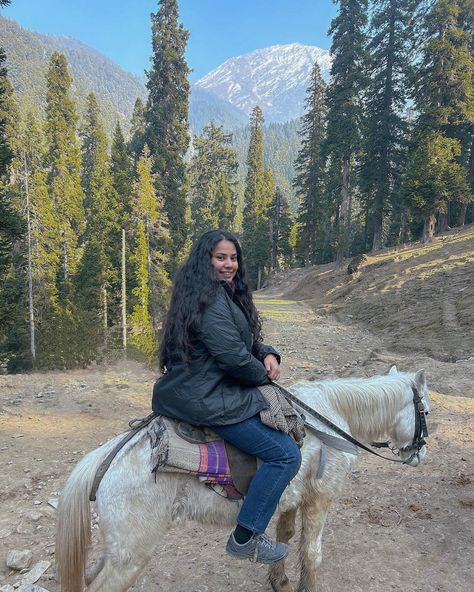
[394, 528]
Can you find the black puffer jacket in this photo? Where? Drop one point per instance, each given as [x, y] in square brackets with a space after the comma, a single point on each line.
[219, 385]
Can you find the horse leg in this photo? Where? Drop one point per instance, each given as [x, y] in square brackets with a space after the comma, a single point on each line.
[94, 570]
[313, 517]
[285, 531]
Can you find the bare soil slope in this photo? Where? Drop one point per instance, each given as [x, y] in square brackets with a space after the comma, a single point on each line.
[419, 297]
[395, 528]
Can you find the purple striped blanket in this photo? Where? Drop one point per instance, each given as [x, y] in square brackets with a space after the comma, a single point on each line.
[170, 453]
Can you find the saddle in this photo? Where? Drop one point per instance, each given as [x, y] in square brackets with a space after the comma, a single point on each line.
[180, 447]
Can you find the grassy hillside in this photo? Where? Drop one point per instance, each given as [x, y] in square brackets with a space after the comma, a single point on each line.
[419, 298]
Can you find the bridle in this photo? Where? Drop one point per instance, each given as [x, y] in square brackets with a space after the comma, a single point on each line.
[421, 428]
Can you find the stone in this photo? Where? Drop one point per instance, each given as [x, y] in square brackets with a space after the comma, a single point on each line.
[53, 503]
[25, 527]
[35, 573]
[19, 560]
[7, 588]
[31, 588]
[5, 532]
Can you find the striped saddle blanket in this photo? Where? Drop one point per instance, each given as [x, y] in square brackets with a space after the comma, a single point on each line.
[208, 461]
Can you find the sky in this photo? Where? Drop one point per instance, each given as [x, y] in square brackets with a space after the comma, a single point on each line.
[219, 29]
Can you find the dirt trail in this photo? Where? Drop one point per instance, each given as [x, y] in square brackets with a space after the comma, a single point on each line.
[395, 528]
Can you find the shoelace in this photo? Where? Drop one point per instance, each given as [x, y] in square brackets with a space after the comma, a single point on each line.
[265, 541]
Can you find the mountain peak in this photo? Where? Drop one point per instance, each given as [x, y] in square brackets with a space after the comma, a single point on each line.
[275, 78]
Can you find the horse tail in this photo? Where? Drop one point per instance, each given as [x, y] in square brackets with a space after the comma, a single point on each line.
[73, 532]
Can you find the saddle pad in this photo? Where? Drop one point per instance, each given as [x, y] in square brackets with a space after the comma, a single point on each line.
[170, 453]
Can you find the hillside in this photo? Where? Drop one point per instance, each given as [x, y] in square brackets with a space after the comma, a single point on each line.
[418, 298]
[27, 62]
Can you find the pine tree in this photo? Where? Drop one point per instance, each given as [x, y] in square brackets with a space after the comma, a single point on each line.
[63, 159]
[11, 223]
[281, 224]
[13, 318]
[211, 180]
[121, 173]
[46, 245]
[313, 211]
[97, 282]
[150, 235]
[388, 61]
[343, 141]
[259, 190]
[167, 119]
[137, 130]
[444, 97]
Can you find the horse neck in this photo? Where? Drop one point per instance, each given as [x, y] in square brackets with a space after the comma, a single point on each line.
[369, 406]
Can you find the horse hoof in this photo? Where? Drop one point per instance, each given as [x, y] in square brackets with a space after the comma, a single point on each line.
[281, 584]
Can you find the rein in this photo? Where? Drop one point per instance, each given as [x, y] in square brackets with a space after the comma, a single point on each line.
[421, 428]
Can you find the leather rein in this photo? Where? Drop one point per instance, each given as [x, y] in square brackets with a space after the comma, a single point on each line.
[421, 428]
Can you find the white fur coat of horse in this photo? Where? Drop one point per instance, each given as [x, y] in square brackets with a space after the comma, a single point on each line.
[135, 511]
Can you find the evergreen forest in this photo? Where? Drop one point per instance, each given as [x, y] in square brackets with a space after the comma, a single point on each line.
[95, 221]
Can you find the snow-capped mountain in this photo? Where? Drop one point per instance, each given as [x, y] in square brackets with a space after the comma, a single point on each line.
[275, 78]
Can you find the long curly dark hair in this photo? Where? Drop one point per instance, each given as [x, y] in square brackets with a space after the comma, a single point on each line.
[195, 287]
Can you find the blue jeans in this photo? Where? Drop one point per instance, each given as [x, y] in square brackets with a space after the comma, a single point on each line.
[281, 459]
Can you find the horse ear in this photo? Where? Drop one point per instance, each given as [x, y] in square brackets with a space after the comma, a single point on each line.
[420, 378]
[393, 370]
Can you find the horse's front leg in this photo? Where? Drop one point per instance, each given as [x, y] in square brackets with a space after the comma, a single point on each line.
[285, 531]
[313, 517]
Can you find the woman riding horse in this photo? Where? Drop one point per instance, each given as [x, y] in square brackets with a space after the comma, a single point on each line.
[213, 361]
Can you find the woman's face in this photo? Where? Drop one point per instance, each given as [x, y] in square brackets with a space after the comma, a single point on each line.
[224, 259]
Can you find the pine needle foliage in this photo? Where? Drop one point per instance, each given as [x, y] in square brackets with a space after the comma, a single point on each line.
[166, 118]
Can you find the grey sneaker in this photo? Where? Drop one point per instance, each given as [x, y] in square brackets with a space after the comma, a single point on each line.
[259, 549]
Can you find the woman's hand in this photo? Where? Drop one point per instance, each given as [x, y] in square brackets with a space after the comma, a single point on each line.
[272, 367]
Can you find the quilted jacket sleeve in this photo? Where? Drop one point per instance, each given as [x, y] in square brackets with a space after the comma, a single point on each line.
[223, 340]
[260, 350]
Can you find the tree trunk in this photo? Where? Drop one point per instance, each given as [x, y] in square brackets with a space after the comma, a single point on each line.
[124, 298]
[105, 316]
[259, 277]
[30, 266]
[462, 214]
[442, 224]
[429, 228]
[344, 212]
[377, 241]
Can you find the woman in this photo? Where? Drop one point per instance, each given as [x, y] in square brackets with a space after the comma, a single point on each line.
[214, 361]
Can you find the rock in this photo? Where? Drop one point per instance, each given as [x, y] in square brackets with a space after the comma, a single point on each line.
[7, 588]
[5, 532]
[19, 560]
[35, 516]
[53, 503]
[34, 574]
[25, 527]
[31, 588]
[17, 435]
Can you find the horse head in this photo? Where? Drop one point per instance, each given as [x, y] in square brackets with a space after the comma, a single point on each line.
[410, 429]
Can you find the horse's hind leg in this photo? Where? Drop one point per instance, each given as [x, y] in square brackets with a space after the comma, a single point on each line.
[285, 531]
[313, 517]
[116, 575]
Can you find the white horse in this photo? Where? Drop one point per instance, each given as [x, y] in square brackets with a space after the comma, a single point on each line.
[135, 511]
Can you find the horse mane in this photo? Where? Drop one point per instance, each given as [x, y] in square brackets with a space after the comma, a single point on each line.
[358, 401]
